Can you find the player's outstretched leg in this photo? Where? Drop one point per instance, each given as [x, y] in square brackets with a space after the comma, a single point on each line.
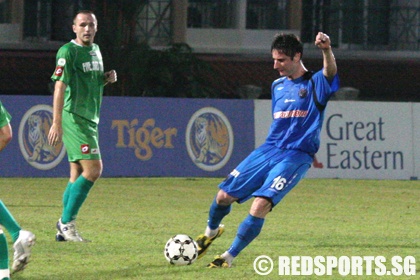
[248, 230]
[204, 242]
[214, 228]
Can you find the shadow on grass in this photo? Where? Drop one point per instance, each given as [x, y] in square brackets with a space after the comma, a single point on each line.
[135, 272]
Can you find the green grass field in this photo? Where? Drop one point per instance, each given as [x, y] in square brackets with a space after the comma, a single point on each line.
[129, 221]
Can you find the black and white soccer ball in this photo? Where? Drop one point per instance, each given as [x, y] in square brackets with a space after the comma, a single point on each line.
[181, 249]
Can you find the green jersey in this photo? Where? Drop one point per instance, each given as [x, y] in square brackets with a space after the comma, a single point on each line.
[81, 69]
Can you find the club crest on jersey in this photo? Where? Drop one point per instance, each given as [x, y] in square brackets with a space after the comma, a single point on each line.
[61, 62]
[84, 148]
[92, 53]
[303, 92]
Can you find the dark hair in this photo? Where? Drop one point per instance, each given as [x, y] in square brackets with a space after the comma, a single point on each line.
[289, 44]
[86, 12]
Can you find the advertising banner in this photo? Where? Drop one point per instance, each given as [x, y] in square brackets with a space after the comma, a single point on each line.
[361, 140]
[137, 137]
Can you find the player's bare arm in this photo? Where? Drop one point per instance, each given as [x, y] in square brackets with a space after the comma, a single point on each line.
[323, 42]
[56, 131]
[5, 136]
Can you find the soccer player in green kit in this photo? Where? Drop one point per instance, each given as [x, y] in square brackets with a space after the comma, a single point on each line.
[23, 239]
[79, 82]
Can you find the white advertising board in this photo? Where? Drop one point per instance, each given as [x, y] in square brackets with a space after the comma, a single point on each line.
[361, 140]
[416, 139]
[262, 120]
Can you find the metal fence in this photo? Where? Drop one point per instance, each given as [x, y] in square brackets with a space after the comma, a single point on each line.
[357, 24]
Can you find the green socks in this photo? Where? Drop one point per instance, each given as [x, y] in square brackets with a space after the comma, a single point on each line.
[4, 258]
[7, 221]
[74, 196]
[66, 193]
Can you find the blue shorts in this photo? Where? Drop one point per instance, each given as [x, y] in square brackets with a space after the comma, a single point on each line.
[267, 172]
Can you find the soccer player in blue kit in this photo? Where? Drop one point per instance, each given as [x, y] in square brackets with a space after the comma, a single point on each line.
[274, 169]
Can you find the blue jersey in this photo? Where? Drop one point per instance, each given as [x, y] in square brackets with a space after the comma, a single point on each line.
[274, 168]
[297, 121]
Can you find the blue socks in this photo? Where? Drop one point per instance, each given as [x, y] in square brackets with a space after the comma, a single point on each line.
[247, 231]
[217, 213]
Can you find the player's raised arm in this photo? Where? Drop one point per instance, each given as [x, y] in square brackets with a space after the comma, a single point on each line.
[323, 42]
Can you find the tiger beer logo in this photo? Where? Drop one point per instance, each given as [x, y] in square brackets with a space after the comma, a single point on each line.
[209, 139]
[33, 143]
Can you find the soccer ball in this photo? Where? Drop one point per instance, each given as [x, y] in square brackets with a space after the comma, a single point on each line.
[181, 249]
